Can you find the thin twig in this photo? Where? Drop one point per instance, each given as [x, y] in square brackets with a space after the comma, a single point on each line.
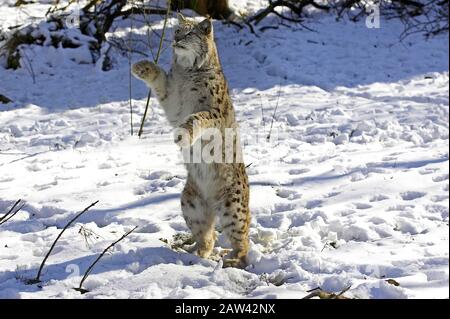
[251, 28]
[150, 31]
[233, 23]
[122, 46]
[318, 292]
[30, 68]
[10, 213]
[274, 114]
[344, 291]
[143, 11]
[88, 271]
[87, 234]
[13, 214]
[141, 129]
[38, 276]
[11, 209]
[262, 113]
[130, 76]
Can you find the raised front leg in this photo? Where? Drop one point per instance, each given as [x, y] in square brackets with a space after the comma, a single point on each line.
[153, 76]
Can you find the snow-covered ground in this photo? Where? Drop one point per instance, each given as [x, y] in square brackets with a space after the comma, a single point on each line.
[352, 190]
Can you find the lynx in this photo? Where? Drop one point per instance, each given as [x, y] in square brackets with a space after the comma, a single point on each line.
[195, 93]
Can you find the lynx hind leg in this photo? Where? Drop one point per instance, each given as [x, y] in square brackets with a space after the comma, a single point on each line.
[200, 221]
[236, 225]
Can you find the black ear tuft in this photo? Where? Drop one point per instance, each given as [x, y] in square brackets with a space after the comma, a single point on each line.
[181, 18]
[206, 26]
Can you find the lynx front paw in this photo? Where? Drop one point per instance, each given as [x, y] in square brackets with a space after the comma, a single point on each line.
[145, 70]
[183, 135]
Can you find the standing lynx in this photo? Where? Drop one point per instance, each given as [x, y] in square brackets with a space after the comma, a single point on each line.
[194, 96]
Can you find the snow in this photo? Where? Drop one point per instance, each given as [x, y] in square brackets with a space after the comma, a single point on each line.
[351, 190]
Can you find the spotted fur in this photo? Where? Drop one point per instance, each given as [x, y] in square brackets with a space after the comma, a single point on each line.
[196, 91]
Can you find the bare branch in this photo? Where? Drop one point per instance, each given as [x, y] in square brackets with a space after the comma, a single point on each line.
[38, 276]
[143, 11]
[10, 214]
[318, 292]
[88, 271]
[141, 129]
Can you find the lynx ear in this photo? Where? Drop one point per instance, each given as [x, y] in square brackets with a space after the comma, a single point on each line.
[181, 18]
[206, 26]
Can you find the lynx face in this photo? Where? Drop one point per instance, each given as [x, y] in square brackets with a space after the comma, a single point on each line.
[192, 42]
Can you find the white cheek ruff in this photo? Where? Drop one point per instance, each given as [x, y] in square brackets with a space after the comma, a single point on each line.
[185, 58]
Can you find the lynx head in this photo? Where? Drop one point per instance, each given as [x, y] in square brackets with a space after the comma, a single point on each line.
[193, 42]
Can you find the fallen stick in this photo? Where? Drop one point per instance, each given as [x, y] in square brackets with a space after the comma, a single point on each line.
[38, 276]
[88, 271]
[10, 213]
[318, 292]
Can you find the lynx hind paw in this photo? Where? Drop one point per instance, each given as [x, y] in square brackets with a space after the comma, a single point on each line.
[145, 70]
[234, 262]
